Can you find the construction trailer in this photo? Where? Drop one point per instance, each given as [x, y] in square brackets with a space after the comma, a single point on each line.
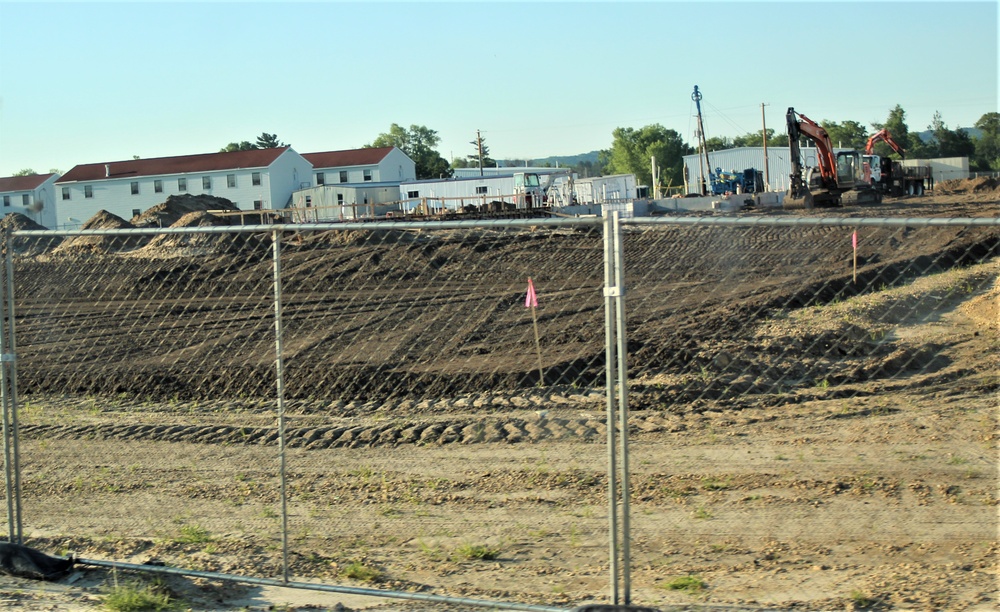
[601, 189]
[342, 202]
[513, 191]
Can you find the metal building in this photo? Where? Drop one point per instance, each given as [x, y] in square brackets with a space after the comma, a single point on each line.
[778, 169]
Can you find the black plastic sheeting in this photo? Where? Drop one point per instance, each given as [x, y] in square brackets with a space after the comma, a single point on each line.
[24, 562]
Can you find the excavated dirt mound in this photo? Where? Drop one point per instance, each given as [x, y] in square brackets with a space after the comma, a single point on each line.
[32, 246]
[103, 220]
[176, 207]
[185, 245]
[972, 185]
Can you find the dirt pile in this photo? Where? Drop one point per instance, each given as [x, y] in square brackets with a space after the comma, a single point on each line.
[103, 220]
[181, 244]
[167, 213]
[29, 247]
[971, 185]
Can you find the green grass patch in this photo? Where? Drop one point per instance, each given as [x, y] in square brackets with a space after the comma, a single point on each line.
[359, 571]
[688, 584]
[477, 552]
[138, 597]
[194, 534]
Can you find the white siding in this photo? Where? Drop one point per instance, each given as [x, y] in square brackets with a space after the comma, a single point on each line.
[395, 167]
[289, 172]
[44, 194]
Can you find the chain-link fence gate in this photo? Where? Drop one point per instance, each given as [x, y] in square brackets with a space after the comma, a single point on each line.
[800, 409]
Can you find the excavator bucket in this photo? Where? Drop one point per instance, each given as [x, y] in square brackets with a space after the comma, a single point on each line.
[802, 200]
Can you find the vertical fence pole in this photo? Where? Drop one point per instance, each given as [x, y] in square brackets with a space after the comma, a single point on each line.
[10, 429]
[609, 383]
[279, 366]
[619, 260]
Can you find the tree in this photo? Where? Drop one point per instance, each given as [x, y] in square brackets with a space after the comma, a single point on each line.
[756, 139]
[849, 134]
[719, 143]
[950, 143]
[632, 149]
[25, 172]
[269, 141]
[238, 146]
[475, 161]
[988, 143]
[895, 124]
[418, 142]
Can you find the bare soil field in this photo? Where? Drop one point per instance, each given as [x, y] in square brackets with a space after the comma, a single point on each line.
[768, 471]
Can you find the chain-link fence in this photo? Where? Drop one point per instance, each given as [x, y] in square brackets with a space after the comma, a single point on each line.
[811, 406]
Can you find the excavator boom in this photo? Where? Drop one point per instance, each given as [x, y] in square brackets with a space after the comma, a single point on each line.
[884, 136]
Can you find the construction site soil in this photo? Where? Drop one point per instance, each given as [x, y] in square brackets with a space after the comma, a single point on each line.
[914, 456]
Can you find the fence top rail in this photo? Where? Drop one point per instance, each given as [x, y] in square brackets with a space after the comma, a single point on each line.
[826, 221]
[313, 227]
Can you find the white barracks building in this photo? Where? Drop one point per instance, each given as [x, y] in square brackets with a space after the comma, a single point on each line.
[252, 180]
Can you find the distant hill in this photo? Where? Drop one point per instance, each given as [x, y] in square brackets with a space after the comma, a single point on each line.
[554, 160]
[927, 135]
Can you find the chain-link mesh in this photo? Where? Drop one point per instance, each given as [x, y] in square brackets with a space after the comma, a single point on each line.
[412, 400]
[805, 432]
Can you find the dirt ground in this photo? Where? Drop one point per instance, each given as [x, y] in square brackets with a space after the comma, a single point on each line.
[872, 486]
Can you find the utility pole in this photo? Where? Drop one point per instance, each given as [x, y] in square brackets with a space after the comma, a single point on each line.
[479, 147]
[696, 96]
[763, 124]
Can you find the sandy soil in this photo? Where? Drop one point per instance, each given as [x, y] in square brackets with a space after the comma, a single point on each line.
[854, 490]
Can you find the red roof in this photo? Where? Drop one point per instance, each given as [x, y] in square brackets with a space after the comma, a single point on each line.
[207, 162]
[23, 183]
[351, 157]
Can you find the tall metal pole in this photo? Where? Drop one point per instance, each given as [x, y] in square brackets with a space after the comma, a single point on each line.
[9, 433]
[767, 172]
[609, 381]
[279, 365]
[619, 288]
[11, 358]
[696, 96]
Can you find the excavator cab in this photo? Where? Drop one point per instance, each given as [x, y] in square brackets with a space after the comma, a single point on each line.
[850, 170]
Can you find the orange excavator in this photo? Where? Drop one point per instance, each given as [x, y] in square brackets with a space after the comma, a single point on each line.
[890, 177]
[836, 178]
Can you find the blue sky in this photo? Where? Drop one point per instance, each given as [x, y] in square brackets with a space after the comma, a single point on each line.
[85, 82]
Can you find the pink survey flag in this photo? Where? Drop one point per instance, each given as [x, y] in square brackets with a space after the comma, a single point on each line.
[854, 239]
[531, 300]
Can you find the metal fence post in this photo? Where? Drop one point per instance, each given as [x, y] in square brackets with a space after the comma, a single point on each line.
[8, 399]
[619, 261]
[279, 366]
[609, 382]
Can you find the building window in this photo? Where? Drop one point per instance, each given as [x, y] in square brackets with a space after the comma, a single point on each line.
[481, 190]
[255, 178]
[135, 187]
[258, 205]
[25, 200]
[182, 185]
[230, 180]
[368, 175]
[321, 178]
[413, 194]
[158, 186]
[136, 212]
[65, 193]
[309, 201]
[6, 200]
[340, 199]
[343, 176]
[206, 182]
[88, 191]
